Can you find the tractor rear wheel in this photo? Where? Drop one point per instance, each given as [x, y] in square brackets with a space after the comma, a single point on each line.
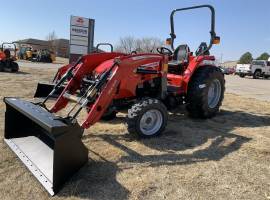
[205, 92]
[147, 118]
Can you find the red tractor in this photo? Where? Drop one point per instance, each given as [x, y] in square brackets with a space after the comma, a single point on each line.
[103, 84]
[7, 60]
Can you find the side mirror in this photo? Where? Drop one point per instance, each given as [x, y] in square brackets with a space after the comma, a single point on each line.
[216, 40]
[169, 41]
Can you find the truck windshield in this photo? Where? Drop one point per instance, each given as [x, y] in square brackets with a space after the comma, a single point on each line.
[257, 63]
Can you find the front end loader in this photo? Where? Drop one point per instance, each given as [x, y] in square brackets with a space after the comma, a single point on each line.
[49, 143]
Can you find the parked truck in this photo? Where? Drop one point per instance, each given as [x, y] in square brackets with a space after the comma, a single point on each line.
[257, 69]
[260, 68]
[243, 70]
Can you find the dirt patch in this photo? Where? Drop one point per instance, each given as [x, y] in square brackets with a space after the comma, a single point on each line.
[226, 157]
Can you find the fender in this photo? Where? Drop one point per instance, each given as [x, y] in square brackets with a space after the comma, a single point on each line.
[194, 64]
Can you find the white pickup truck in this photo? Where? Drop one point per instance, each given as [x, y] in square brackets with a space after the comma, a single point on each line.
[243, 70]
[260, 68]
[257, 69]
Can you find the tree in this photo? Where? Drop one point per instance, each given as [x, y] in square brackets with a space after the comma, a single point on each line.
[263, 56]
[246, 58]
[51, 37]
[146, 44]
[126, 44]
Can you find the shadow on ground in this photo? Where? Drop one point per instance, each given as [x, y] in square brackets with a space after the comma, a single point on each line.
[96, 180]
[207, 140]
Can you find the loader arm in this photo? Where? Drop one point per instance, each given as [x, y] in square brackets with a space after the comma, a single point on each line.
[86, 66]
[104, 100]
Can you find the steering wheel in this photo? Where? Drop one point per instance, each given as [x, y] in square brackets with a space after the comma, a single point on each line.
[133, 53]
[164, 51]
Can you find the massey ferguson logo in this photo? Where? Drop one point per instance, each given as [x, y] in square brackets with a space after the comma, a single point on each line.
[80, 21]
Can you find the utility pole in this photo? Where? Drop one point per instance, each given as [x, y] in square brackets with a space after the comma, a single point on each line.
[221, 56]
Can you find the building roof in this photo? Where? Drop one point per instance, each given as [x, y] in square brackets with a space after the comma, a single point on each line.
[62, 42]
[229, 64]
[32, 41]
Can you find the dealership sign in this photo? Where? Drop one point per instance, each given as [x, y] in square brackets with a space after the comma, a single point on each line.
[81, 36]
[79, 21]
[79, 31]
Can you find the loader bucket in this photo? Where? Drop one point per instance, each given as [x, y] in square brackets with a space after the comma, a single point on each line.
[49, 147]
[44, 89]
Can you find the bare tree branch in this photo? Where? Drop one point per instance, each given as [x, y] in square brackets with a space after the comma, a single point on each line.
[146, 44]
[51, 37]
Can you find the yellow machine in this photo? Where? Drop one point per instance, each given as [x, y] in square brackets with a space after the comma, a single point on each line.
[44, 55]
[26, 53]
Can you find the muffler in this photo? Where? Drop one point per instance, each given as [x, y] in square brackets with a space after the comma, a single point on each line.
[49, 146]
[44, 89]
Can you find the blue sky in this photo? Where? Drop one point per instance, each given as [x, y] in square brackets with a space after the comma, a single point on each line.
[243, 25]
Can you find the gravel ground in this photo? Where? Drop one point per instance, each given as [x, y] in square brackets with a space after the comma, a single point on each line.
[226, 157]
[249, 87]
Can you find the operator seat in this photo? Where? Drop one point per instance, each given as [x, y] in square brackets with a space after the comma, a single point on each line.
[202, 49]
[7, 53]
[180, 59]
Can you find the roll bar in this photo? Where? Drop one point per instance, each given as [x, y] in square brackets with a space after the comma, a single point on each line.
[7, 43]
[212, 31]
[105, 44]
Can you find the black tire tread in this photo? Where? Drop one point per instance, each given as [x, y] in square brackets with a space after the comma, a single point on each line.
[197, 98]
[138, 109]
[254, 75]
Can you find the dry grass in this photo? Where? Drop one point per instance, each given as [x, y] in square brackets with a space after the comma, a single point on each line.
[227, 157]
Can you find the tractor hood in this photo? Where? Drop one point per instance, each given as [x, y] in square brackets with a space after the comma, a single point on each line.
[104, 66]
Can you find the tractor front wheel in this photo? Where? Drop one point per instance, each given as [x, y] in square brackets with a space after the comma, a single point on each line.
[147, 118]
[205, 92]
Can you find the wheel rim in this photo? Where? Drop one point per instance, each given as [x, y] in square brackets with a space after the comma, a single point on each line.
[151, 122]
[214, 93]
[257, 74]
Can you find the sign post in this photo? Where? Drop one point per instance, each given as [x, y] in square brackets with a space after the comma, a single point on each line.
[81, 37]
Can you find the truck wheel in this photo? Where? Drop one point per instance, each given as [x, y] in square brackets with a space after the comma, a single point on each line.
[205, 92]
[242, 75]
[147, 118]
[265, 76]
[257, 74]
